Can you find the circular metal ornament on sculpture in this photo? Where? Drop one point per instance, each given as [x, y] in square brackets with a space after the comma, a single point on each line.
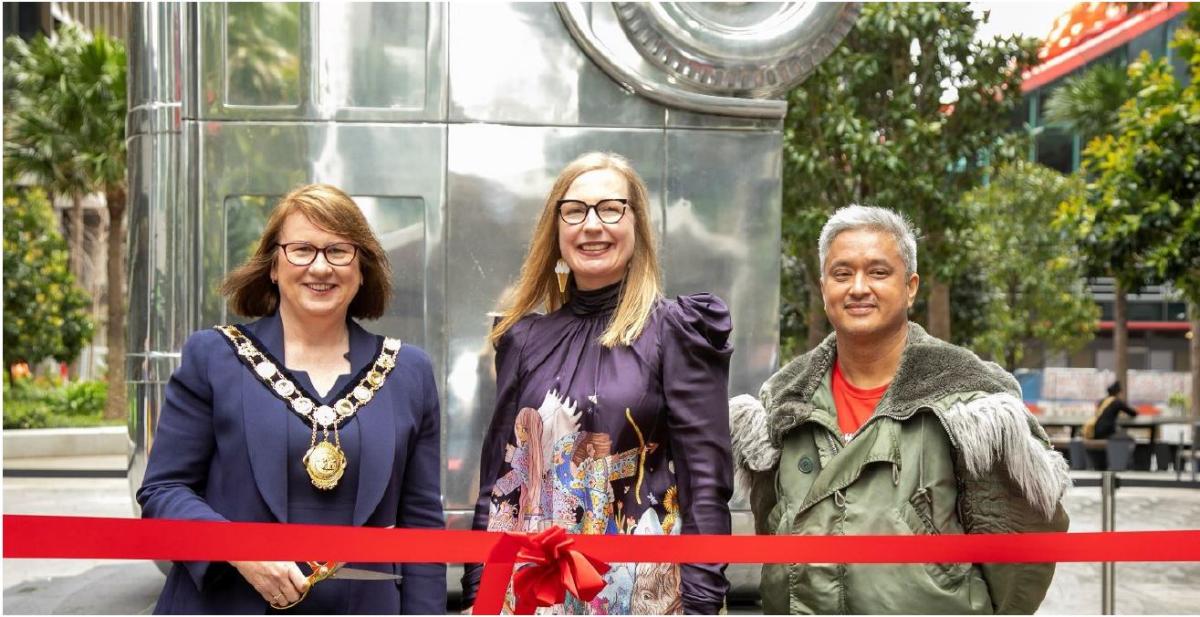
[759, 49]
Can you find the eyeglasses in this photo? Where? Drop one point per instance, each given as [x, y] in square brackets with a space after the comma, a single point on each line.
[609, 211]
[303, 253]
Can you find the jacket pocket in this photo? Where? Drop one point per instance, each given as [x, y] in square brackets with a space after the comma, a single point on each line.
[914, 514]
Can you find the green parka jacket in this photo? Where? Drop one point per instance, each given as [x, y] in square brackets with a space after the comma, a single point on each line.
[950, 449]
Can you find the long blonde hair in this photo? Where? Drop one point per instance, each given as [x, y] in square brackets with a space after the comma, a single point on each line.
[538, 285]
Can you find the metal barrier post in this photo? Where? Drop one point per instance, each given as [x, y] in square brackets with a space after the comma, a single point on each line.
[1108, 503]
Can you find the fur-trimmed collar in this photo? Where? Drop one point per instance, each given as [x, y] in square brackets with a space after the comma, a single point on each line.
[930, 369]
[990, 431]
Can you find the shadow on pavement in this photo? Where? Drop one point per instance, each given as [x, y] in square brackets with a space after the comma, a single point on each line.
[105, 590]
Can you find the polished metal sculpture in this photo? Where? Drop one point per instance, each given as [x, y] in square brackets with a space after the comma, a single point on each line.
[447, 123]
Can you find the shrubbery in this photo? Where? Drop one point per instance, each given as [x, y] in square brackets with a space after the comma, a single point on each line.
[43, 402]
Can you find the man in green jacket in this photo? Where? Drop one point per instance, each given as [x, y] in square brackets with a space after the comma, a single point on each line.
[884, 429]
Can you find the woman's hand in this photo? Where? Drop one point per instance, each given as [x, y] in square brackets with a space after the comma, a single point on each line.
[278, 582]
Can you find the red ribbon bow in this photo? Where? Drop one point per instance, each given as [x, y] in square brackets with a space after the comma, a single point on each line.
[553, 569]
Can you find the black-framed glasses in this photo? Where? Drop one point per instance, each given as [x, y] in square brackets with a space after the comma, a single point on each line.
[303, 253]
[609, 211]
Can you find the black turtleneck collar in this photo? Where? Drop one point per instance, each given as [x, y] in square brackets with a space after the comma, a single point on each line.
[594, 301]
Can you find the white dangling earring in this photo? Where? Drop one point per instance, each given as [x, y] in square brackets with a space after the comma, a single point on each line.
[562, 270]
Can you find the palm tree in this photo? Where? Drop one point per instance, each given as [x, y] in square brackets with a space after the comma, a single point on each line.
[101, 71]
[37, 147]
[67, 128]
[1089, 103]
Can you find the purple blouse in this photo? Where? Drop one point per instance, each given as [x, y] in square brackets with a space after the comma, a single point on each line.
[633, 439]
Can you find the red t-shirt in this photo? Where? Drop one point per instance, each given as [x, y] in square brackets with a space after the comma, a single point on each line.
[854, 405]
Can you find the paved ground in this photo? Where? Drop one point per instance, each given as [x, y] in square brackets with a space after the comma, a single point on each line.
[1142, 589]
[74, 586]
[124, 587]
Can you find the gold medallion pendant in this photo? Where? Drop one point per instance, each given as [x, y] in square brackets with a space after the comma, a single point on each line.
[325, 464]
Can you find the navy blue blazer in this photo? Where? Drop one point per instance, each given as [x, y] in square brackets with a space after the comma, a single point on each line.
[220, 427]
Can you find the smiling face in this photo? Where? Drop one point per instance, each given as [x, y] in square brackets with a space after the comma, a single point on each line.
[866, 290]
[318, 290]
[597, 253]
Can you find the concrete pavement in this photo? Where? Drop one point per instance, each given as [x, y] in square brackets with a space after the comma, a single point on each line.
[74, 586]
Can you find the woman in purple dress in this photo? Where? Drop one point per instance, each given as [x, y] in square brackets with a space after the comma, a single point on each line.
[611, 412]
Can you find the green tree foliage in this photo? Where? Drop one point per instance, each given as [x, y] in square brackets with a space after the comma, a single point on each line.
[1158, 150]
[1090, 101]
[898, 116]
[1090, 104]
[40, 105]
[1032, 269]
[1140, 214]
[45, 312]
[40, 101]
[1139, 217]
[79, 104]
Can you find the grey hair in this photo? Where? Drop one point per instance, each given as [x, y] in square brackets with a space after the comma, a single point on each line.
[855, 216]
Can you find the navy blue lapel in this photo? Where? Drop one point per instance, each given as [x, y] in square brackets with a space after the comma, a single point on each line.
[265, 419]
[378, 430]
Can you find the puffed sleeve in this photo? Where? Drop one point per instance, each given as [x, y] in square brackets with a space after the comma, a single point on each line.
[422, 590]
[695, 369]
[177, 470]
[491, 458]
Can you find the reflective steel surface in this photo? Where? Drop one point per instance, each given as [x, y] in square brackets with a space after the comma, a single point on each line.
[159, 286]
[393, 171]
[537, 75]
[321, 61]
[736, 48]
[586, 23]
[498, 177]
[382, 60]
[722, 235]
[447, 123]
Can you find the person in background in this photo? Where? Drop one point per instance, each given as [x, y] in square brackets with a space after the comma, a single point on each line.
[1107, 411]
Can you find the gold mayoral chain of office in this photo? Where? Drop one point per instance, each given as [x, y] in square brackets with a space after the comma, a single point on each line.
[325, 462]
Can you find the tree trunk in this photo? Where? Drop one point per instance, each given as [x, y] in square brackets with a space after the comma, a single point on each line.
[1194, 357]
[939, 309]
[76, 247]
[115, 406]
[1011, 348]
[1121, 339]
[816, 316]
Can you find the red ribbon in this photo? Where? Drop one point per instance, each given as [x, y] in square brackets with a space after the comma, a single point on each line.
[66, 537]
[554, 569]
